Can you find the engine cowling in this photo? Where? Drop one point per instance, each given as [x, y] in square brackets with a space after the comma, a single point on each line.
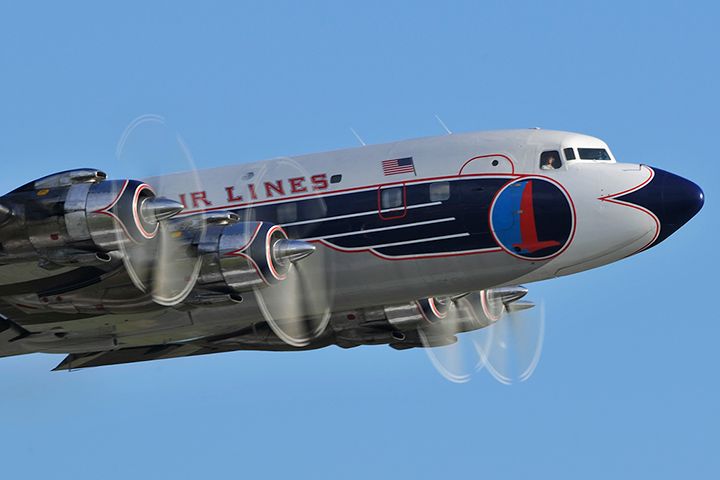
[95, 212]
[247, 255]
[74, 216]
[471, 310]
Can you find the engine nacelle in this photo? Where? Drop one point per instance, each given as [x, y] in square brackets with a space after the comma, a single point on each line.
[71, 216]
[469, 311]
[247, 255]
[110, 213]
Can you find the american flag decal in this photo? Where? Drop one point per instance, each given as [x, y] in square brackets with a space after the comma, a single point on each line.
[398, 166]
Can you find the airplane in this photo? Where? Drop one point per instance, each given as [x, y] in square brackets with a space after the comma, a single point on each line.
[409, 244]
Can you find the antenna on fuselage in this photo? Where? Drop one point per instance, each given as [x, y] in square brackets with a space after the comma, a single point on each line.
[442, 124]
[357, 136]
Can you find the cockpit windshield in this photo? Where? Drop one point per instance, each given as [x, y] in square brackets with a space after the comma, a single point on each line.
[593, 154]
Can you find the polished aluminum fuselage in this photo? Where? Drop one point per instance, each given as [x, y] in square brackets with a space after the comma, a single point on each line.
[366, 276]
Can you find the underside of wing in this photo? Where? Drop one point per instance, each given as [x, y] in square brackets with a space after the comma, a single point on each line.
[228, 343]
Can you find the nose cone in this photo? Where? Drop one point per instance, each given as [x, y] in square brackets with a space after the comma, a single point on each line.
[673, 199]
[681, 200]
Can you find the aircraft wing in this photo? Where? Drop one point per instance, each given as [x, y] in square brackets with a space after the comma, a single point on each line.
[205, 346]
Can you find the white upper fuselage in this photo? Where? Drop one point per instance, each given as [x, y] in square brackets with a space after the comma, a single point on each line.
[603, 231]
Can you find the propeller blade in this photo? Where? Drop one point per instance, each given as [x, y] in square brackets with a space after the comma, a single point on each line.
[294, 313]
[163, 266]
[298, 308]
[510, 348]
[506, 338]
[175, 269]
[449, 350]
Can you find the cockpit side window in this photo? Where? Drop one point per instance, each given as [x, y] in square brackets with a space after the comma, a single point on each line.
[593, 154]
[569, 153]
[550, 160]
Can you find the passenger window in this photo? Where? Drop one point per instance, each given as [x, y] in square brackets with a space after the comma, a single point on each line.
[391, 198]
[439, 191]
[287, 213]
[550, 160]
[569, 153]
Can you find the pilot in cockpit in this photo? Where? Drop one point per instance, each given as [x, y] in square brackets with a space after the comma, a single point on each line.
[550, 160]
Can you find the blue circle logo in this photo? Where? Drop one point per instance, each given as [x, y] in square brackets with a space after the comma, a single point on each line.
[532, 218]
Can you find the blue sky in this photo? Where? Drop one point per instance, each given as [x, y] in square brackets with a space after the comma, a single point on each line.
[627, 384]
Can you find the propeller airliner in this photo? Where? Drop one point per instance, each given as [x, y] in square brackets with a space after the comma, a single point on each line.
[410, 244]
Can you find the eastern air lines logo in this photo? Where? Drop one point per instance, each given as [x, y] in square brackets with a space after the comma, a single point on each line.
[532, 218]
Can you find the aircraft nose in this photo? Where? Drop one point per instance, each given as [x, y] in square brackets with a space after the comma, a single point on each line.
[673, 199]
[681, 200]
